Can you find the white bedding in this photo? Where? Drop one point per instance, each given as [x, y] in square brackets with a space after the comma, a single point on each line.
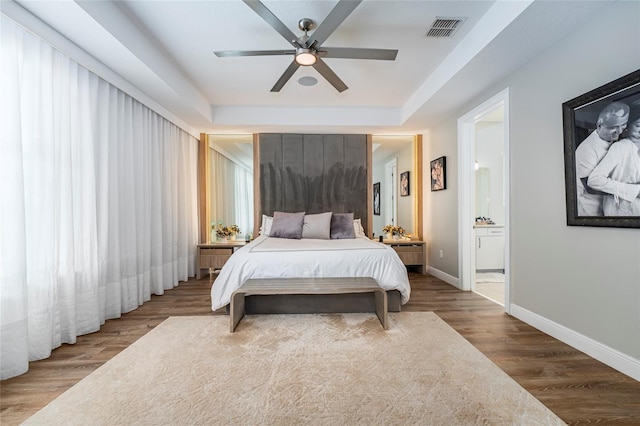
[267, 257]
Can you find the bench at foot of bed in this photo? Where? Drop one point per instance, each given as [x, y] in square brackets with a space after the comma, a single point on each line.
[305, 287]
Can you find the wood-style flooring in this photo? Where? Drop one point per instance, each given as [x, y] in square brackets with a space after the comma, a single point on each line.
[573, 385]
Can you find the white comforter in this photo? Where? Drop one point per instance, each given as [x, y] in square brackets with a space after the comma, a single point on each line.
[267, 257]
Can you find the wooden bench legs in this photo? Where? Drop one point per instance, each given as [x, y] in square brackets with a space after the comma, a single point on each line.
[382, 310]
[236, 311]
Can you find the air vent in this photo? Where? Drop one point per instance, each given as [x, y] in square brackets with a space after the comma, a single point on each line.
[444, 27]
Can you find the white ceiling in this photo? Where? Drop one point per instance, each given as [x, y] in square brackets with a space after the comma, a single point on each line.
[164, 50]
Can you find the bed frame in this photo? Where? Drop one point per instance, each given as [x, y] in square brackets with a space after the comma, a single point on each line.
[352, 151]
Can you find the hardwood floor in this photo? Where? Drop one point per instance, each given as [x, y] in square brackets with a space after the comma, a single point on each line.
[576, 387]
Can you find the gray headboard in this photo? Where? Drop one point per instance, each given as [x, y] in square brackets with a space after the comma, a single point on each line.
[312, 173]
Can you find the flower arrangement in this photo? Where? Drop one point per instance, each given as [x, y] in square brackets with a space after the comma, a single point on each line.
[394, 230]
[227, 231]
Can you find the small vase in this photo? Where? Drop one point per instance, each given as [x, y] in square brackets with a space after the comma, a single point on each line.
[232, 238]
[388, 236]
[223, 239]
[396, 237]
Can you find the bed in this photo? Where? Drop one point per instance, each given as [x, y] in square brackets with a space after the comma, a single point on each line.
[274, 257]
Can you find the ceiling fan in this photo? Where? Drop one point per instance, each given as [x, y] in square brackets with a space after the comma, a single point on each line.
[308, 50]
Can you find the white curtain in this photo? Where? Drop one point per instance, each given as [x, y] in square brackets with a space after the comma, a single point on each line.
[231, 193]
[98, 201]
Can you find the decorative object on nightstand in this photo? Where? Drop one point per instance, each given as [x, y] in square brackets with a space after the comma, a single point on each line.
[227, 232]
[393, 232]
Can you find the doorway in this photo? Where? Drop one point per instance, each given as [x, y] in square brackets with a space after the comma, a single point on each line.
[483, 219]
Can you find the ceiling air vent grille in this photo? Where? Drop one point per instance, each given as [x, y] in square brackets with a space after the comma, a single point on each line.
[444, 27]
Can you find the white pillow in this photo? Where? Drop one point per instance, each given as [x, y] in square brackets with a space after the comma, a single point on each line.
[265, 228]
[357, 228]
[317, 226]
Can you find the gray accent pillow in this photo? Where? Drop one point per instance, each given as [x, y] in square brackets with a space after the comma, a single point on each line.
[317, 226]
[342, 226]
[287, 225]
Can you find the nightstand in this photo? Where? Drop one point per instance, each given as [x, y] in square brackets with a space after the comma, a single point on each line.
[215, 255]
[410, 252]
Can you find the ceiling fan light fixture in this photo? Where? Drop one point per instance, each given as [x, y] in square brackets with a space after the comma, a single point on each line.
[305, 57]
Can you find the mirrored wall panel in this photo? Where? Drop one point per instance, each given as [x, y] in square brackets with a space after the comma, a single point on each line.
[395, 183]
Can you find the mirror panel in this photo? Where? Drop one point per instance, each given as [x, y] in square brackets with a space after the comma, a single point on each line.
[393, 158]
[230, 183]
[482, 192]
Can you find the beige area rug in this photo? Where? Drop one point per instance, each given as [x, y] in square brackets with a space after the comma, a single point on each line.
[333, 369]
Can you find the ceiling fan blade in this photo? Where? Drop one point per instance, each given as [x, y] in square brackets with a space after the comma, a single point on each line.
[329, 75]
[272, 20]
[356, 53]
[227, 53]
[285, 76]
[337, 15]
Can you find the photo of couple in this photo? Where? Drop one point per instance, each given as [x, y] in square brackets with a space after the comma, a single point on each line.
[603, 143]
[608, 163]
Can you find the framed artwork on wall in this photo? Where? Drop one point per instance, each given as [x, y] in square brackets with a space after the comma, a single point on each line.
[404, 184]
[376, 198]
[439, 174]
[602, 155]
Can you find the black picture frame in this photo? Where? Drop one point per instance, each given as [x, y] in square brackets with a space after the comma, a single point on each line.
[405, 184]
[580, 116]
[439, 174]
[376, 198]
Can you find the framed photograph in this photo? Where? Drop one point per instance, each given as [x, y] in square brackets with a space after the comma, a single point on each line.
[601, 160]
[376, 198]
[404, 184]
[439, 174]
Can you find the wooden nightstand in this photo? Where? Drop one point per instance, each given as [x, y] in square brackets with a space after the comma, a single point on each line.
[215, 255]
[410, 252]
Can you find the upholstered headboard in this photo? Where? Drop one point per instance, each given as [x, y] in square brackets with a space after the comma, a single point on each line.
[312, 173]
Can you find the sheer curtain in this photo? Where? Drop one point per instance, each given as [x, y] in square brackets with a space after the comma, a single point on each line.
[98, 201]
[231, 193]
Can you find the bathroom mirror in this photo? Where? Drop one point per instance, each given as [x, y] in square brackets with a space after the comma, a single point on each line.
[483, 199]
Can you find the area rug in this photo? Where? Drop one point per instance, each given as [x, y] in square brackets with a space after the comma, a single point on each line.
[330, 369]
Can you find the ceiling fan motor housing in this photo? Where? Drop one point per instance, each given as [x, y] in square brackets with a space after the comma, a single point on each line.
[305, 24]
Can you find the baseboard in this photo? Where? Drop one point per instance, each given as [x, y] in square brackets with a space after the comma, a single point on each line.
[449, 279]
[609, 356]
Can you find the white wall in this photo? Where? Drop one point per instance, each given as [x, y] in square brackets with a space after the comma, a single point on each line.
[582, 280]
[441, 209]
[585, 278]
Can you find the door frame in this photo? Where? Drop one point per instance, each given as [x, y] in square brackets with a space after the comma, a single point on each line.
[467, 193]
